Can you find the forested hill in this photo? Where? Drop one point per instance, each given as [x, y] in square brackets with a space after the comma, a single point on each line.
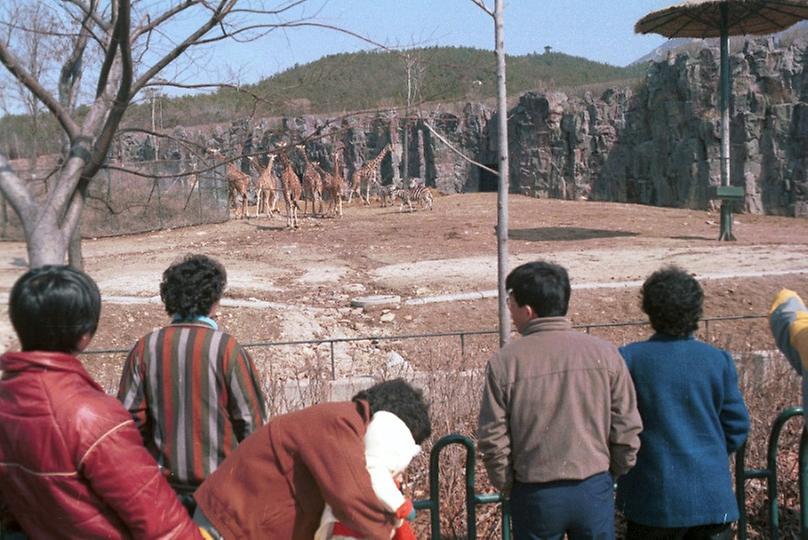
[368, 80]
[351, 82]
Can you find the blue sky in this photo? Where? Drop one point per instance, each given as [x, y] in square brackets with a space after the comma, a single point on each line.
[601, 30]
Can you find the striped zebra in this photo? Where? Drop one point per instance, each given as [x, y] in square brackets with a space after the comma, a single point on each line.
[386, 194]
[417, 193]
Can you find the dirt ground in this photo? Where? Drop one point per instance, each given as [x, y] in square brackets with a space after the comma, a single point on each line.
[286, 285]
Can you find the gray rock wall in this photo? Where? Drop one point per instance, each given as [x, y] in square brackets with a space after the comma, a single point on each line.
[657, 144]
[660, 145]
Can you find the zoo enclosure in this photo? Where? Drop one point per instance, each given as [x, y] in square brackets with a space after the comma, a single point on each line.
[156, 195]
[709, 330]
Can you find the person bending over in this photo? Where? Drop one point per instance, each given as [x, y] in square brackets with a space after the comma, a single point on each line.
[389, 448]
[278, 481]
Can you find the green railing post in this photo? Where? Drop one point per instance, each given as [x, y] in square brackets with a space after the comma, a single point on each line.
[804, 484]
[769, 473]
[472, 499]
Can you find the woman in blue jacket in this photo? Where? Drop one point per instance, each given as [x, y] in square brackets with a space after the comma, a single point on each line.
[693, 418]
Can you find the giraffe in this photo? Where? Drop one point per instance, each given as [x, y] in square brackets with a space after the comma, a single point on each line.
[312, 184]
[369, 174]
[194, 178]
[334, 185]
[237, 182]
[291, 189]
[267, 186]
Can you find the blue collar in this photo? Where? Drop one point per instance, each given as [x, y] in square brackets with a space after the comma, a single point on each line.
[198, 319]
[667, 337]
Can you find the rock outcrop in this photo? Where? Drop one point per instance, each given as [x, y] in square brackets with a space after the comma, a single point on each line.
[655, 144]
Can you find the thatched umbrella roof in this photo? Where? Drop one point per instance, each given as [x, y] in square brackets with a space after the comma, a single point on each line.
[702, 18]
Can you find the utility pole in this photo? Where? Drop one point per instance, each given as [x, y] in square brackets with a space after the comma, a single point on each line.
[504, 174]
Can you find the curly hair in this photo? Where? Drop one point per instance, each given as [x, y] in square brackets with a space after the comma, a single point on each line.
[673, 301]
[405, 401]
[192, 285]
[52, 307]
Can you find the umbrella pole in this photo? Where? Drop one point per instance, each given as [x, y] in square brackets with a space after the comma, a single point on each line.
[726, 205]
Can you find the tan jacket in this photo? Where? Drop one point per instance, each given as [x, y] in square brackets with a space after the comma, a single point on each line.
[557, 405]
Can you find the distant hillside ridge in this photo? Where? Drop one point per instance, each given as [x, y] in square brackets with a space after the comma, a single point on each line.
[349, 82]
[358, 81]
[677, 45]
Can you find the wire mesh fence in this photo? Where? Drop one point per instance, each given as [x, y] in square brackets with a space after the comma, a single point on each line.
[329, 359]
[147, 196]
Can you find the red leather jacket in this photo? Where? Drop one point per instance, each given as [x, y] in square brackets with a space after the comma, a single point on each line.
[72, 463]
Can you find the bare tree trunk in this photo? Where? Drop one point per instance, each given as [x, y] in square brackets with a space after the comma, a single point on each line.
[4, 218]
[504, 174]
[74, 253]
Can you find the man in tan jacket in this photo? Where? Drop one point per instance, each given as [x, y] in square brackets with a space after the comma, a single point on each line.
[558, 419]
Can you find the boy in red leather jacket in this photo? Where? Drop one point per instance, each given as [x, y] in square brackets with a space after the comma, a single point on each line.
[72, 463]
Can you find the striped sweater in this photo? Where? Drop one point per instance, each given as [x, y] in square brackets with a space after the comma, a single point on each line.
[194, 394]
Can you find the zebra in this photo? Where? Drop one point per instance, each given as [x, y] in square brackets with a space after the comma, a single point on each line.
[386, 193]
[417, 193]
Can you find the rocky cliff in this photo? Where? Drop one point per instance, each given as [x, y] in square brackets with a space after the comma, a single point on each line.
[659, 145]
[655, 144]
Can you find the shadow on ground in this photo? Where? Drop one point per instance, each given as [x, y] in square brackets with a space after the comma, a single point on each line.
[270, 227]
[708, 238]
[556, 234]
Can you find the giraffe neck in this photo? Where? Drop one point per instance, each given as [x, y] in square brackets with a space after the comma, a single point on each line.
[378, 159]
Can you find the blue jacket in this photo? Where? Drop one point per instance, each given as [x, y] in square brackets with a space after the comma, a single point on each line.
[693, 417]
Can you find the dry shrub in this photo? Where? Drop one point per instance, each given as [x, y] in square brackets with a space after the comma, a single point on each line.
[767, 392]
[454, 381]
[767, 382]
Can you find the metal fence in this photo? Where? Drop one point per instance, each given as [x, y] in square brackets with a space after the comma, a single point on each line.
[155, 195]
[707, 325]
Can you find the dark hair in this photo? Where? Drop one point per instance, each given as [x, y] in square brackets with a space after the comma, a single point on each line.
[397, 396]
[191, 286]
[52, 307]
[673, 300]
[543, 286]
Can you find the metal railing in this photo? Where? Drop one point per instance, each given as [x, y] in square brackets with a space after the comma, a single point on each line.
[769, 473]
[432, 504]
[461, 334]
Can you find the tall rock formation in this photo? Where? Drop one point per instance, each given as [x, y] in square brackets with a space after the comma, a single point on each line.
[656, 144]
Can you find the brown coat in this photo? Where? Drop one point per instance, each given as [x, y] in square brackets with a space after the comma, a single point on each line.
[277, 481]
[557, 405]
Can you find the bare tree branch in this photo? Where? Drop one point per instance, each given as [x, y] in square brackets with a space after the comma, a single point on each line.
[70, 74]
[302, 24]
[218, 14]
[123, 96]
[155, 22]
[482, 6]
[14, 190]
[109, 59]
[89, 10]
[456, 151]
[14, 65]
